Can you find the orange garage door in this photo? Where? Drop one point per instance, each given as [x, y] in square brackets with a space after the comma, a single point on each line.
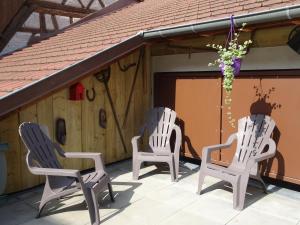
[197, 99]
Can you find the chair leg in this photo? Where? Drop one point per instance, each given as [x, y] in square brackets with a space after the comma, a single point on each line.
[41, 207]
[111, 194]
[92, 204]
[242, 188]
[235, 190]
[200, 181]
[176, 162]
[263, 184]
[45, 198]
[136, 165]
[171, 165]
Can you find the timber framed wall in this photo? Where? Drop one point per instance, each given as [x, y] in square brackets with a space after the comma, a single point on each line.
[82, 121]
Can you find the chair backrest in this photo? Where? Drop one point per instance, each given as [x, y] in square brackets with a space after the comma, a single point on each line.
[253, 133]
[160, 124]
[40, 148]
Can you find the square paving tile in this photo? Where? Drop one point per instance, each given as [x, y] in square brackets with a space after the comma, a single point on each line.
[155, 200]
[252, 216]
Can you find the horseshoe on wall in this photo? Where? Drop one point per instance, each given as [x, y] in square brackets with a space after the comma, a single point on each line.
[93, 94]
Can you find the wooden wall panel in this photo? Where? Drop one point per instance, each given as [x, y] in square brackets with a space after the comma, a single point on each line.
[71, 112]
[120, 104]
[27, 179]
[9, 134]
[99, 132]
[8, 9]
[82, 121]
[112, 135]
[88, 123]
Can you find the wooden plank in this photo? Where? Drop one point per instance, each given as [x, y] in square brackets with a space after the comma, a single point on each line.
[129, 130]
[99, 132]
[17, 21]
[139, 104]
[42, 23]
[8, 10]
[88, 123]
[120, 104]
[54, 22]
[147, 87]
[111, 132]
[267, 37]
[33, 30]
[101, 3]
[71, 112]
[9, 134]
[28, 114]
[59, 9]
[45, 117]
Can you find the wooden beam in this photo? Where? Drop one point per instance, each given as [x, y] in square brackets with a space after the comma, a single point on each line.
[80, 2]
[43, 28]
[17, 22]
[54, 21]
[90, 4]
[101, 3]
[33, 30]
[59, 9]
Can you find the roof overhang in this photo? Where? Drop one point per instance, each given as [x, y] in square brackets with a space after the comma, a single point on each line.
[270, 16]
[67, 76]
[73, 73]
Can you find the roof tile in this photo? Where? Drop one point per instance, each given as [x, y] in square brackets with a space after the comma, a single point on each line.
[75, 44]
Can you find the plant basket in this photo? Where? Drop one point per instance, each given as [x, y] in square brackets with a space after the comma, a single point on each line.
[237, 63]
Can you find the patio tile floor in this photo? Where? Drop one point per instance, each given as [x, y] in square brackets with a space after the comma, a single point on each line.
[155, 200]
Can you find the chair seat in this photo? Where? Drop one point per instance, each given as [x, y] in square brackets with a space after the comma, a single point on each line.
[161, 153]
[221, 172]
[155, 156]
[90, 179]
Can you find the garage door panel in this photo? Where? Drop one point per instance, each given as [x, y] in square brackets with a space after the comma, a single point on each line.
[197, 104]
[196, 100]
[278, 97]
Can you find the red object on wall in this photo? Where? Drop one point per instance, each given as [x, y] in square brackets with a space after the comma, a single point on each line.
[77, 92]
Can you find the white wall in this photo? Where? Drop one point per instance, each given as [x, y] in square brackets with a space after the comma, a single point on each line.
[270, 58]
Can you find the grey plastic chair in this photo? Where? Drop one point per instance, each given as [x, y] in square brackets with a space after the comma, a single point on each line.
[42, 160]
[253, 145]
[159, 127]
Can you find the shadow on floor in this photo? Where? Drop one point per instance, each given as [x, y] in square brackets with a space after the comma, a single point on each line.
[122, 200]
[254, 191]
[163, 168]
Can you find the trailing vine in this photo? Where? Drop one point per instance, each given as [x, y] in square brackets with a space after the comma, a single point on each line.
[229, 61]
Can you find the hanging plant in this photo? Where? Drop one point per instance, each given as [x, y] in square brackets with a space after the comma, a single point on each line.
[229, 61]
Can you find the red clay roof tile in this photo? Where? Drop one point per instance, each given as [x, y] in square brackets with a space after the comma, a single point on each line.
[75, 44]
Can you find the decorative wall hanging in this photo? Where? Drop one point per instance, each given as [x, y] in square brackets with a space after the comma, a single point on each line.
[61, 131]
[102, 118]
[103, 76]
[77, 92]
[126, 67]
[229, 61]
[93, 95]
